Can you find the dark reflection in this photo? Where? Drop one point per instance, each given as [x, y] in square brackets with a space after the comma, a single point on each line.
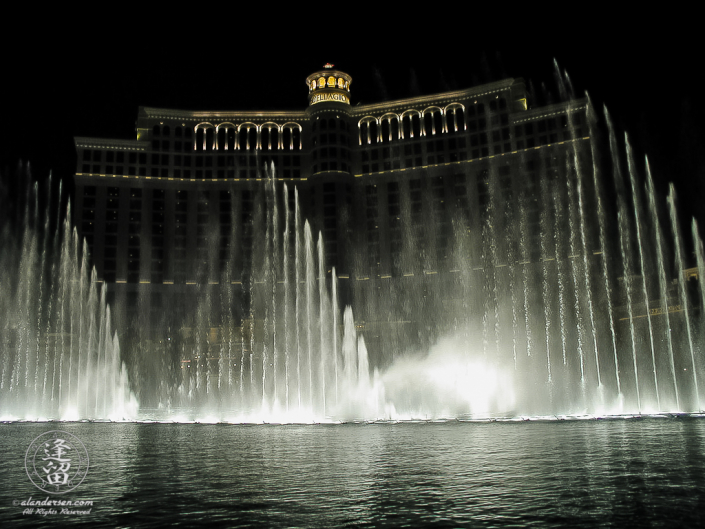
[544, 474]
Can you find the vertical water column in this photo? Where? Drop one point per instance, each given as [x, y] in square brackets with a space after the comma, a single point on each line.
[684, 301]
[55, 300]
[700, 262]
[323, 345]
[626, 251]
[602, 238]
[514, 301]
[40, 371]
[547, 278]
[524, 262]
[25, 307]
[86, 368]
[700, 259]
[528, 364]
[559, 241]
[75, 323]
[573, 243]
[496, 262]
[63, 299]
[490, 316]
[269, 281]
[104, 328]
[350, 372]
[286, 273]
[334, 332]
[299, 297]
[585, 252]
[641, 242]
[276, 249]
[309, 282]
[662, 282]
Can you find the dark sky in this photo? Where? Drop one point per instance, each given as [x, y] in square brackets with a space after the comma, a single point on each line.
[89, 81]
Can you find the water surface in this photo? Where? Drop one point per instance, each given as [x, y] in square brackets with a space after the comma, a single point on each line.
[648, 472]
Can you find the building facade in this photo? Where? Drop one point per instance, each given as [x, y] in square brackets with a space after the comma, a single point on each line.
[389, 186]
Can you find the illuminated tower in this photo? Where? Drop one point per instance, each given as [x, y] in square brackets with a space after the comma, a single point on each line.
[329, 86]
[329, 111]
[331, 157]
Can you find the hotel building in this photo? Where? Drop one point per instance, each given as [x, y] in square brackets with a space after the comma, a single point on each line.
[389, 185]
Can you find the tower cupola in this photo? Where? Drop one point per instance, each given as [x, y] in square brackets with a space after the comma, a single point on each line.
[328, 85]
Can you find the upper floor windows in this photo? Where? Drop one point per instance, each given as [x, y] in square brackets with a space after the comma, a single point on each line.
[247, 136]
[412, 123]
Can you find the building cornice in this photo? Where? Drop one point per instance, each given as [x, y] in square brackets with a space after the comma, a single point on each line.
[552, 110]
[197, 116]
[103, 143]
[443, 97]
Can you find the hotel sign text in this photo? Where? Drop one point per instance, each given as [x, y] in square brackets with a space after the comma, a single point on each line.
[320, 98]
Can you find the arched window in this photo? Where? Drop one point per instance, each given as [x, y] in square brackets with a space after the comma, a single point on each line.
[368, 131]
[455, 117]
[225, 137]
[432, 121]
[269, 136]
[210, 139]
[205, 137]
[389, 124]
[291, 137]
[411, 124]
[247, 136]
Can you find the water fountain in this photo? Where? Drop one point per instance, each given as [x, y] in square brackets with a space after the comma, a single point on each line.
[60, 358]
[577, 304]
[294, 356]
[600, 321]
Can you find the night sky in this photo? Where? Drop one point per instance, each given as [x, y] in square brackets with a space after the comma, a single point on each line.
[66, 82]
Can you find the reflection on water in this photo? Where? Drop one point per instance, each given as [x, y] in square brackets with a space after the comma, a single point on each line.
[571, 473]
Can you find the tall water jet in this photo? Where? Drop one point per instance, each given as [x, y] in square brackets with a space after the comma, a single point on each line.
[602, 234]
[291, 366]
[60, 356]
[683, 295]
[700, 256]
[641, 244]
